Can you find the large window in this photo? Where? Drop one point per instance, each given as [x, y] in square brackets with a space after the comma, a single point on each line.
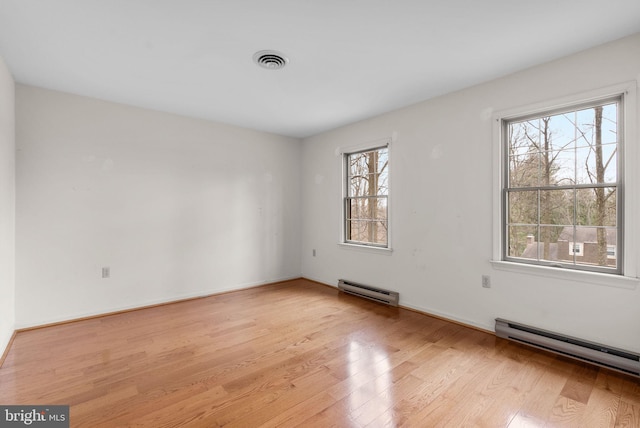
[366, 212]
[563, 187]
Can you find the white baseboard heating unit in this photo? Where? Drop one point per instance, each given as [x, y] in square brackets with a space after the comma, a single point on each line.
[377, 294]
[601, 355]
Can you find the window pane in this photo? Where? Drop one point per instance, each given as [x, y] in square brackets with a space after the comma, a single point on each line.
[549, 242]
[357, 230]
[367, 208]
[523, 207]
[524, 170]
[548, 169]
[364, 231]
[524, 137]
[588, 203]
[381, 232]
[562, 167]
[357, 164]
[584, 126]
[556, 207]
[561, 131]
[597, 166]
[356, 209]
[568, 248]
[523, 242]
[358, 186]
[585, 171]
[588, 121]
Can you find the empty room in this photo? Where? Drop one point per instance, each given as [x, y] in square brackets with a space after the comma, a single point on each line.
[300, 213]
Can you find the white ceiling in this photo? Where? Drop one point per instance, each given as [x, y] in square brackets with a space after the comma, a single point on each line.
[349, 59]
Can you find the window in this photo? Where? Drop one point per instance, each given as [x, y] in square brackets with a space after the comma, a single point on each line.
[562, 187]
[366, 211]
[575, 248]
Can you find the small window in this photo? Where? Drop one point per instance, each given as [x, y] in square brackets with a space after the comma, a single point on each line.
[562, 187]
[366, 211]
[576, 248]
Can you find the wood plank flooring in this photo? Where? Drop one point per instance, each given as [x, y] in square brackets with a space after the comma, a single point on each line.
[301, 354]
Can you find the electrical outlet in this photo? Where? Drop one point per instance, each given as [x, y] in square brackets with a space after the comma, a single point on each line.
[106, 272]
[486, 281]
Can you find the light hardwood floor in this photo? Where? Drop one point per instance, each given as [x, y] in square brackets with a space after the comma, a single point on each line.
[299, 353]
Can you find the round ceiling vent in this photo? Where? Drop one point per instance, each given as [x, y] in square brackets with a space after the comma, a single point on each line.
[271, 60]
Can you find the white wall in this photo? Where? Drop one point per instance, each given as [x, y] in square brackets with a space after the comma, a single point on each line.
[7, 206]
[441, 184]
[176, 207]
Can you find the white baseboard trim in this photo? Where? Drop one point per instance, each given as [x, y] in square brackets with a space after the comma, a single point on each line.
[5, 342]
[143, 304]
[321, 281]
[427, 311]
[449, 317]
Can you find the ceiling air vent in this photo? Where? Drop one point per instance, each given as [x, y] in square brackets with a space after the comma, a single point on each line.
[271, 60]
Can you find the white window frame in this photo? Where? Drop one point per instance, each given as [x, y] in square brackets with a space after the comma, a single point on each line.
[630, 186]
[343, 152]
[579, 246]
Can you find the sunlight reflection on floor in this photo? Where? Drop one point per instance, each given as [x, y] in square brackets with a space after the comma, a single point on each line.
[524, 421]
[372, 398]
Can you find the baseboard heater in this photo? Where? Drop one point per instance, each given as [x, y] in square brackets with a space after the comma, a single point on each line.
[601, 355]
[376, 294]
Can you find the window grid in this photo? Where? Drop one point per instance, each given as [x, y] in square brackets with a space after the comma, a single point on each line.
[551, 182]
[366, 197]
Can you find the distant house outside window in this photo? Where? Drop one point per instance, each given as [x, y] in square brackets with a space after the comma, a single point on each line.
[366, 211]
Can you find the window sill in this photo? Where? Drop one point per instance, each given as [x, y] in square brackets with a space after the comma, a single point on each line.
[366, 248]
[596, 278]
